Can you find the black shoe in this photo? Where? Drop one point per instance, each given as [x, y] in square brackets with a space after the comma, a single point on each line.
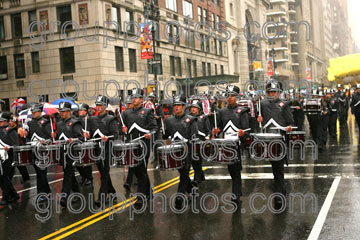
[178, 203]
[127, 186]
[195, 183]
[138, 204]
[278, 204]
[63, 202]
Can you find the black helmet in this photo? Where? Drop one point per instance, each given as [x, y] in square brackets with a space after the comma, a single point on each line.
[273, 86]
[232, 90]
[5, 116]
[197, 103]
[102, 100]
[83, 106]
[137, 93]
[64, 106]
[179, 100]
[37, 107]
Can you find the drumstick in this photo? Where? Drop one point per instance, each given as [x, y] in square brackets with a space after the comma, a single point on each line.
[282, 128]
[140, 137]
[233, 134]
[97, 139]
[8, 147]
[260, 113]
[52, 128]
[215, 119]
[86, 118]
[121, 119]
[162, 125]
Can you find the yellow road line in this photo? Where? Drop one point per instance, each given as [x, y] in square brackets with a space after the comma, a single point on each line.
[110, 208]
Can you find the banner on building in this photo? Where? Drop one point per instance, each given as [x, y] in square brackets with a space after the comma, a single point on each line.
[145, 41]
[257, 66]
[308, 73]
[270, 67]
[83, 14]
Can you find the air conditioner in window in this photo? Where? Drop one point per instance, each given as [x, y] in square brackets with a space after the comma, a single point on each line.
[3, 76]
[17, 42]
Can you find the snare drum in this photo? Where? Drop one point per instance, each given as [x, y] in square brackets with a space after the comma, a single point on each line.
[127, 154]
[294, 136]
[226, 150]
[312, 106]
[86, 150]
[204, 149]
[264, 146]
[23, 155]
[171, 157]
[50, 155]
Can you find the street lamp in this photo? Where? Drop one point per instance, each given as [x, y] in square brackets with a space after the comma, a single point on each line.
[152, 12]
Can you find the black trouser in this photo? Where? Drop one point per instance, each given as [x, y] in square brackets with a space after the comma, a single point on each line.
[85, 172]
[357, 118]
[141, 172]
[69, 182]
[324, 126]
[104, 169]
[23, 171]
[197, 166]
[343, 117]
[279, 180]
[130, 176]
[185, 182]
[332, 123]
[5, 181]
[235, 173]
[315, 127]
[299, 121]
[42, 183]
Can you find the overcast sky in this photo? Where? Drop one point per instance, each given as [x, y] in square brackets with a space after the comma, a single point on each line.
[354, 19]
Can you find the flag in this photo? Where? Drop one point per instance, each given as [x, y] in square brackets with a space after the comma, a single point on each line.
[145, 41]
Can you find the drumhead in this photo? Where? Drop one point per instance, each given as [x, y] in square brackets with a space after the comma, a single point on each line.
[267, 135]
[85, 145]
[171, 148]
[23, 148]
[119, 145]
[296, 133]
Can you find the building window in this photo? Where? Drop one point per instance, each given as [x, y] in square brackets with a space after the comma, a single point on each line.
[16, 25]
[209, 69]
[231, 10]
[170, 33]
[200, 17]
[215, 46]
[5, 104]
[208, 44]
[67, 60]
[188, 9]
[213, 20]
[218, 21]
[32, 18]
[132, 60]
[63, 15]
[202, 42]
[192, 39]
[172, 65]
[19, 65]
[116, 16]
[188, 66]
[73, 96]
[2, 28]
[35, 62]
[222, 69]
[177, 35]
[218, 2]
[220, 48]
[3, 68]
[187, 37]
[43, 98]
[216, 73]
[171, 4]
[178, 66]
[156, 66]
[203, 69]
[205, 16]
[129, 17]
[119, 59]
[194, 68]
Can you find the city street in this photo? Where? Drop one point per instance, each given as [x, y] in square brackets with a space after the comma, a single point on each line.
[332, 182]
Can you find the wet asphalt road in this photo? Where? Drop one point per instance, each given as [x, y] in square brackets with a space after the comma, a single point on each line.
[315, 178]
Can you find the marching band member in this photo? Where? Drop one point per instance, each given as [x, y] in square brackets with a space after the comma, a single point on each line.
[68, 128]
[343, 105]
[181, 127]
[275, 113]
[355, 104]
[333, 115]
[140, 122]
[39, 131]
[103, 126]
[8, 138]
[314, 120]
[204, 133]
[85, 171]
[232, 119]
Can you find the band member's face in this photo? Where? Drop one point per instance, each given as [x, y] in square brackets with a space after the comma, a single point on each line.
[358, 90]
[36, 114]
[130, 105]
[65, 114]
[100, 108]
[328, 96]
[136, 102]
[179, 109]
[82, 113]
[273, 94]
[194, 110]
[3, 123]
[231, 100]
[12, 123]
